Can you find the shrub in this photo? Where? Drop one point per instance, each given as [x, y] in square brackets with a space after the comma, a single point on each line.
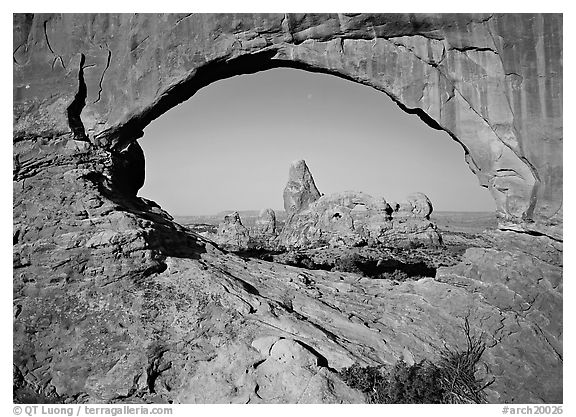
[458, 369]
[350, 263]
[369, 380]
[451, 380]
[416, 384]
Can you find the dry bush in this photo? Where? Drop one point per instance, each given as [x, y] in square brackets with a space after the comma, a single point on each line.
[451, 380]
[458, 371]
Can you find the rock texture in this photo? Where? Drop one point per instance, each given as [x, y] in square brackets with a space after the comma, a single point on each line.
[264, 232]
[232, 234]
[114, 302]
[266, 223]
[331, 220]
[420, 204]
[493, 82]
[300, 191]
[335, 221]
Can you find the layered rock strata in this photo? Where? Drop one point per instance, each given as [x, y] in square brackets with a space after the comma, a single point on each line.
[114, 302]
[493, 82]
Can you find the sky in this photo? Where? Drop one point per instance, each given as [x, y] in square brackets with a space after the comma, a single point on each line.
[230, 145]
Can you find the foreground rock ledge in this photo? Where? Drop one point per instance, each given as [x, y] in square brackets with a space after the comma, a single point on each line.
[115, 302]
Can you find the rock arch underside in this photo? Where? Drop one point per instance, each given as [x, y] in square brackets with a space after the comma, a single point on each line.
[114, 301]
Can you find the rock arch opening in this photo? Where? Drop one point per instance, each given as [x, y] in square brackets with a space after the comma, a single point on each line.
[238, 136]
[510, 178]
[460, 73]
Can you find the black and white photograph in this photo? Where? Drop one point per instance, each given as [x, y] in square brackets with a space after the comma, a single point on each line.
[287, 208]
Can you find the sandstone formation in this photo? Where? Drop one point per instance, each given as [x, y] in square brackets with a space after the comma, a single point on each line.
[264, 233]
[115, 302]
[232, 234]
[266, 223]
[421, 205]
[333, 220]
[300, 191]
[493, 82]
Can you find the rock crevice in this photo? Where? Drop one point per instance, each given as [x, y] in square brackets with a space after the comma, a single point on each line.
[115, 302]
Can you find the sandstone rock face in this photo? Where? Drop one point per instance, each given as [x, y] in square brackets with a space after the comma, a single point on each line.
[114, 302]
[421, 205]
[272, 369]
[352, 218]
[530, 293]
[493, 82]
[332, 220]
[266, 223]
[232, 234]
[264, 233]
[300, 191]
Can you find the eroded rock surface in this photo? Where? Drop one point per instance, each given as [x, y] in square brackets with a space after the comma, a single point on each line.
[335, 219]
[114, 302]
[420, 204]
[264, 232]
[492, 81]
[300, 190]
[332, 221]
[232, 234]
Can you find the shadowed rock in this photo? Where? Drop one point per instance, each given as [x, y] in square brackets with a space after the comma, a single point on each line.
[113, 301]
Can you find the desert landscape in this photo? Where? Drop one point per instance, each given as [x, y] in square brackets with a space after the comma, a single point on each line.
[343, 297]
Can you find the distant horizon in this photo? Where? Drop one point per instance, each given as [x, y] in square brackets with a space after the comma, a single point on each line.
[282, 211]
[231, 145]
